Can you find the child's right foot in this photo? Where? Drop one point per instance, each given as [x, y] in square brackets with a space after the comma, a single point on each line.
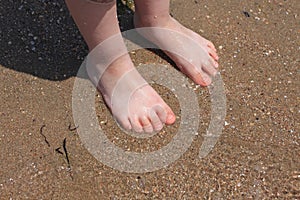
[132, 101]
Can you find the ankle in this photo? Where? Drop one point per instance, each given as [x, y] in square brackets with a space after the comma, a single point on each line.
[114, 73]
[142, 20]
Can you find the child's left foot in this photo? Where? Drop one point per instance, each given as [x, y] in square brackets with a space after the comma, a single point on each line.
[198, 60]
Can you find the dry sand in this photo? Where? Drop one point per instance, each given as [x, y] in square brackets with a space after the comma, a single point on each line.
[256, 157]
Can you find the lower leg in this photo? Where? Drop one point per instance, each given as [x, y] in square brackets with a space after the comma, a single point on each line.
[152, 12]
[96, 21]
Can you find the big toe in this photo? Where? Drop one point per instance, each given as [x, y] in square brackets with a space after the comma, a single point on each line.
[165, 114]
[201, 75]
[203, 79]
[171, 118]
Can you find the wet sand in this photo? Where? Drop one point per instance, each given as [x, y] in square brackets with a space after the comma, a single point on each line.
[256, 157]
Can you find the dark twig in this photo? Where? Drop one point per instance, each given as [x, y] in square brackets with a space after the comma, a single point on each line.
[59, 151]
[66, 152]
[45, 138]
[246, 14]
[72, 128]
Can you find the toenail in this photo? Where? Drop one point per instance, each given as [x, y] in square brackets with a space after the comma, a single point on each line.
[216, 64]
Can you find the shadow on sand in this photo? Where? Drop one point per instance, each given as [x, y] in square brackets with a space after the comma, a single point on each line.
[39, 37]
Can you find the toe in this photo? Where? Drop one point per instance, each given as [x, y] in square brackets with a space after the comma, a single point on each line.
[197, 74]
[170, 117]
[213, 54]
[155, 121]
[165, 114]
[212, 46]
[216, 64]
[136, 125]
[147, 126]
[125, 123]
[210, 68]
[204, 80]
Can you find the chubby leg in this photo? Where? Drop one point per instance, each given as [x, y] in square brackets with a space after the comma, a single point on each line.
[196, 57]
[133, 103]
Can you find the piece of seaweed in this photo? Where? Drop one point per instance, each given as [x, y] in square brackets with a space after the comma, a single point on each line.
[72, 128]
[66, 152]
[45, 138]
[246, 13]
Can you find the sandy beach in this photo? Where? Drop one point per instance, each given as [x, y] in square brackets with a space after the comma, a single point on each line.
[256, 157]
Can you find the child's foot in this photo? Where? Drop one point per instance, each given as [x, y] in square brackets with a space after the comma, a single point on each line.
[194, 55]
[132, 101]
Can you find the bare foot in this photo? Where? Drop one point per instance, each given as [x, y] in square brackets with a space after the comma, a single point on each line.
[132, 101]
[194, 55]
